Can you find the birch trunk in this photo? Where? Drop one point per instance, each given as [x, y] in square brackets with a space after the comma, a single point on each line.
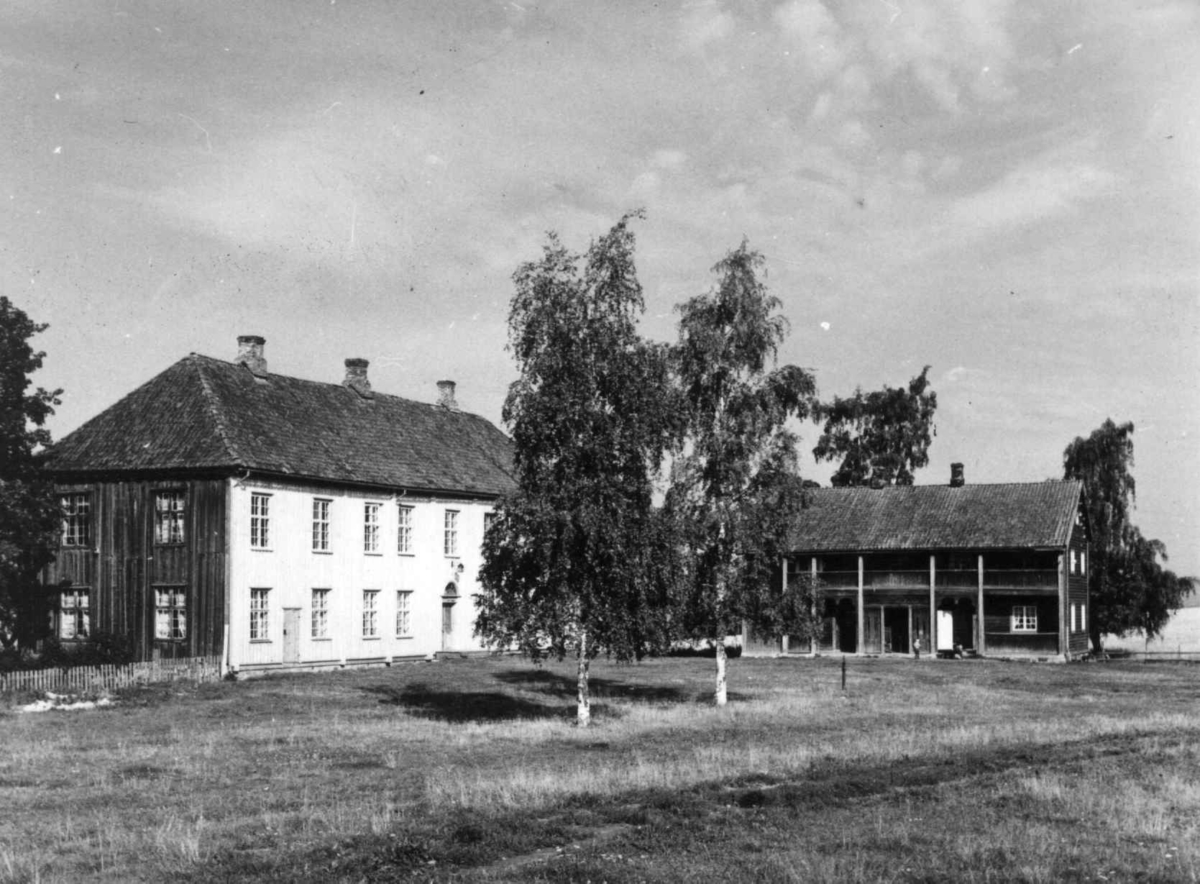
[583, 714]
[721, 696]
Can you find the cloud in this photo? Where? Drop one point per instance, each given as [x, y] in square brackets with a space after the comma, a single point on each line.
[1033, 192]
[814, 35]
[705, 23]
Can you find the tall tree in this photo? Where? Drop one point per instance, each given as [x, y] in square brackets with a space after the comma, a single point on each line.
[736, 483]
[570, 562]
[1130, 589]
[880, 437]
[29, 510]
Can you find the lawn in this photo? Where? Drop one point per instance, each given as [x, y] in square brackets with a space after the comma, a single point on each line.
[471, 770]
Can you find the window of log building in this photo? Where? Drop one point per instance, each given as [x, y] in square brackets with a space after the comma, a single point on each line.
[77, 519]
[168, 516]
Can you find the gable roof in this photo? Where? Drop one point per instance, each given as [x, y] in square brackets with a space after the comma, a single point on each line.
[204, 413]
[938, 517]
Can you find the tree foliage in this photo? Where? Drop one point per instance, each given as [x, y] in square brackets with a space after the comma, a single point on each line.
[29, 510]
[880, 437]
[736, 485]
[571, 562]
[1130, 590]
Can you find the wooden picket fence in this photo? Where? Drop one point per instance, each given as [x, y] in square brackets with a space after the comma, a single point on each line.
[95, 679]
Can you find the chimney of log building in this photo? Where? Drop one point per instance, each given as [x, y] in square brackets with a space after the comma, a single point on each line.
[356, 378]
[956, 476]
[446, 395]
[250, 354]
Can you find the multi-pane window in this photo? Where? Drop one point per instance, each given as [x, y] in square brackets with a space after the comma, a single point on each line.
[259, 615]
[170, 613]
[403, 613]
[1083, 618]
[320, 613]
[450, 544]
[1082, 561]
[371, 527]
[370, 621]
[75, 613]
[77, 519]
[260, 521]
[168, 516]
[1024, 618]
[404, 537]
[320, 525]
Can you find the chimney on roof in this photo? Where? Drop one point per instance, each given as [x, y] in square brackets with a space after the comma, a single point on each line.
[446, 395]
[356, 378]
[956, 476]
[250, 354]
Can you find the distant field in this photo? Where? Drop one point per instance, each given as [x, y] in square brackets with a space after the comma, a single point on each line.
[1182, 634]
[470, 770]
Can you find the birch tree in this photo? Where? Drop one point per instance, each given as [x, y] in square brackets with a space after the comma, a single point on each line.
[1128, 585]
[736, 485]
[880, 437]
[570, 562]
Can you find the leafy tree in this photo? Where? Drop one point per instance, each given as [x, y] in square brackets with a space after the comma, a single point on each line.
[29, 510]
[881, 437]
[1129, 588]
[570, 563]
[736, 485]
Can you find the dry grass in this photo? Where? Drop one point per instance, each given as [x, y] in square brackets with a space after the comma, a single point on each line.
[473, 770]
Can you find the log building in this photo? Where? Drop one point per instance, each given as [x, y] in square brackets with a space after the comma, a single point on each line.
[958, 569]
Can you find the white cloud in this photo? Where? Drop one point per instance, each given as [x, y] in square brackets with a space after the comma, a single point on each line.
[1031, 193]
[705, 23]
[814, 35]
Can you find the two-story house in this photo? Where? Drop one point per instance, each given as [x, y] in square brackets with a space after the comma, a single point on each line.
[222, 510]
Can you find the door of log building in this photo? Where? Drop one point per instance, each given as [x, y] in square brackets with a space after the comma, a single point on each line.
[891, 629]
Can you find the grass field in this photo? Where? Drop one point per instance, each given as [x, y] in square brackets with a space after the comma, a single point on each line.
[471, 770]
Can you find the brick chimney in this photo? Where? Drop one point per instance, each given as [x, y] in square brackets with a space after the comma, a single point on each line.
[250, 354]
[356, 378]
[956, 476]
[446, 395]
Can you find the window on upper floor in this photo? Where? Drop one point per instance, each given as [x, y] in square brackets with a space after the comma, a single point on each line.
[371, 527]
[170, 613]
[260, 521]
[320, 524]
[450, 534]
[168, 516]
[1024, 618]
[404, 534]
[75, 613]
[77, 519]
[320, 613]
[1083, 561]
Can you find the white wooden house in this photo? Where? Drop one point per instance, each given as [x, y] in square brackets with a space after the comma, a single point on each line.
[220, 509]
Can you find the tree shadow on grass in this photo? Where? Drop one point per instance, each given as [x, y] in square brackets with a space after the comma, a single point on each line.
[557, 685]
[465, 706]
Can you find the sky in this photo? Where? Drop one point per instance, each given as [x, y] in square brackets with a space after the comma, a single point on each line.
[1007, 192]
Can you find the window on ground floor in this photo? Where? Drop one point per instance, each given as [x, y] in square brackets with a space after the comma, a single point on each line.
[170, 613]
[403, 613]
[1024, 618]
[370, 618]
[320, 613]
[260, 615]
[75, 617]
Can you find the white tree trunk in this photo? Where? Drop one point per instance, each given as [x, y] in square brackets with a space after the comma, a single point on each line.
[721, 696]
[583, 714]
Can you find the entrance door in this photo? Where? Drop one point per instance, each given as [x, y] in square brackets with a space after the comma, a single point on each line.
[945, 631]
[291, 635]
[447, 625]
[873, 643]
[895, 629]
